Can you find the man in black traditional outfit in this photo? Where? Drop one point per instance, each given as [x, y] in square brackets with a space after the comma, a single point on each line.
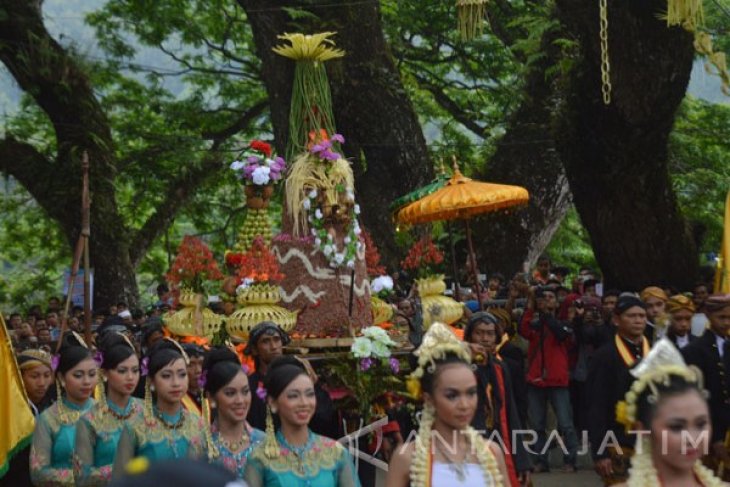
[609, 380]
[711, 354]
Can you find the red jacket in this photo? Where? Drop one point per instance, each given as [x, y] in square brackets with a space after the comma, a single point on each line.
[549, 343]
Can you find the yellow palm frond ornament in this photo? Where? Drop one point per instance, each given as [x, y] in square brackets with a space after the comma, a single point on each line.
[311, 103]
[309, 47]
[472, 14]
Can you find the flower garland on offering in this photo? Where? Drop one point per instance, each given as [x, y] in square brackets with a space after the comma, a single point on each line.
[320, 188]
[438, 343]
[424, 257]
[662, 363]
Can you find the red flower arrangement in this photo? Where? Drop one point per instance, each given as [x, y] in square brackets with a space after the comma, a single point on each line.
[233, 259]
[423, 258]
[372, 256]
[259, 265]
[193, 265]
[261, 146]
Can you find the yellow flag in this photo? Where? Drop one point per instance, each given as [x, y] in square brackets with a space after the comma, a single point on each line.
[722, 274]
[16, 420]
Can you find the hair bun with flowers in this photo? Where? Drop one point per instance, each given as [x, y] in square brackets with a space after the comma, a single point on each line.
[438, 342]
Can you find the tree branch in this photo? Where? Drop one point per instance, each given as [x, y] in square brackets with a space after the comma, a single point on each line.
[244, 121]
[453, 108]
[182, 188]
[23, 161]
[55, 81]
[178, 192]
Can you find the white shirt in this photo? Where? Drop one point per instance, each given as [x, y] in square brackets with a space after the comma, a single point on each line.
[699, 324]
[682, 341]
[443, 474]
[720, 344]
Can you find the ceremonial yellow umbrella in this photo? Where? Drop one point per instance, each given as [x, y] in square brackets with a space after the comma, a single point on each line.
[460, 199]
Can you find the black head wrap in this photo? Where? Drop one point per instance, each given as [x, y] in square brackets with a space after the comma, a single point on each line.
[476, 318]
[264, 328]
[627, 301]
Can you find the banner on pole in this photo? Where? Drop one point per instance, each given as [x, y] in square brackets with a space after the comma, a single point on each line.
[77, 293]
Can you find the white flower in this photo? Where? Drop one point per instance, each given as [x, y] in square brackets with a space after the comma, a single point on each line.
[360, 247]
[318, 214]
[313, 231]
[317, 241]
[245, 284]
[328, 249]
[307, 204]
[260, 175]
[374, 332]
[329, 237]
[357, 231]
[312, 194]
[347, 240]
[361, 347]
[340, 258]
[380, 350]
[237, 165]
[381, 283]
[357, 209]
[350, 194]
[351, 264]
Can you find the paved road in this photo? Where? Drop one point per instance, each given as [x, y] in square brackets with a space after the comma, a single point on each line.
[582, 478]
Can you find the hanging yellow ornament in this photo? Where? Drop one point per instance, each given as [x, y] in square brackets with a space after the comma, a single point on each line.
[471, 17]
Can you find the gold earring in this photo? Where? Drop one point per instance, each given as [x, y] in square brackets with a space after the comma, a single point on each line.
[152, 388]
[213, 405]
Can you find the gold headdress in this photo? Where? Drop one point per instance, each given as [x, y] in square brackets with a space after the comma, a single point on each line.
[32, 358]
[180, 349]
[680, 302]
[438, 342]
[662, 362]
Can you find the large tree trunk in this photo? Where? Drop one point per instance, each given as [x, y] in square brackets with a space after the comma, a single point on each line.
[62, 90]
[371, 107]
[616, 156]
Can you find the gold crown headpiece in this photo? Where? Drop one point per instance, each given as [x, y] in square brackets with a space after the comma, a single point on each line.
[438, 342]
[661, 364]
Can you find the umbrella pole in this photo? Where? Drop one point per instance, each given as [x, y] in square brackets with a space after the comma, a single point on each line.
[457, 291]
[473, 259]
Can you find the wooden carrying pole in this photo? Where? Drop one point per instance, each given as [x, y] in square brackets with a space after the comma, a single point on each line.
[82, 250]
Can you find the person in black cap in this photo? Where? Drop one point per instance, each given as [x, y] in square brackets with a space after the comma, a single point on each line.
[609, 380]
[265, 343]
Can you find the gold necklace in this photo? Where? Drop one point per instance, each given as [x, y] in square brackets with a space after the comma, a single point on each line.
[171, 426]
[235, 446]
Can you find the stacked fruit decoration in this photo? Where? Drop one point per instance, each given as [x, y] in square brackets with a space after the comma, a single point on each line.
[260, 169]
[191, 272]
[258, 292]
